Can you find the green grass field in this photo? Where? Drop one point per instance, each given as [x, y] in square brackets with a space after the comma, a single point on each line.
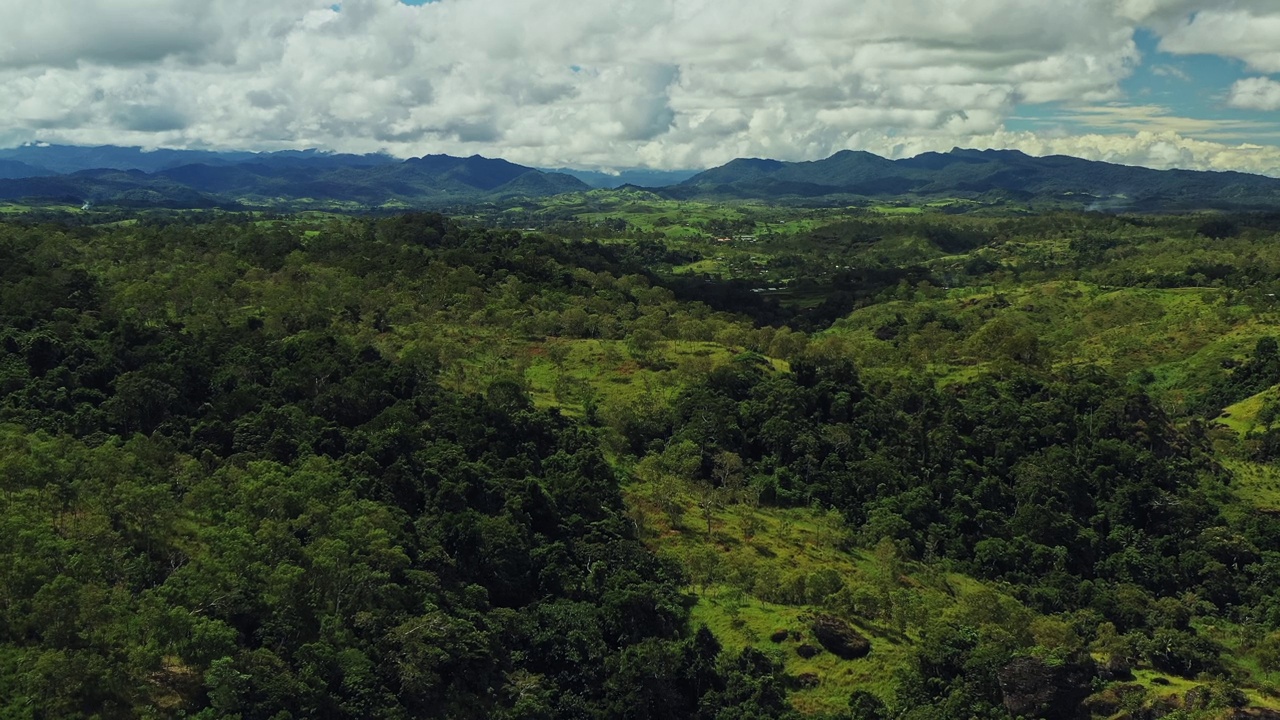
[754, 575]
[1257, 485]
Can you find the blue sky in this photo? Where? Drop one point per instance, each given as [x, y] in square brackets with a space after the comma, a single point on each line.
[1183, 92]
[664, 84]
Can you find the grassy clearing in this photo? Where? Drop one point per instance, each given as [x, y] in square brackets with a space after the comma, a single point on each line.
[1242, 417]
[763, 572]
[1161, 685]
[1257, 485]
[897, 209]
[739, 620]
[21, 209]
[702, 267]
[568, 374]
[751, 550]
[601, 370]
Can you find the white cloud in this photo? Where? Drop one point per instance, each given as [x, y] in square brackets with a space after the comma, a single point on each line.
[1165, 149]
[664, 83]
[1255, 93]
[68, 33]
[1171, 71]
[1237, 29]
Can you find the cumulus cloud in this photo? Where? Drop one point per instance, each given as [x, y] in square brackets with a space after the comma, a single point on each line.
[1255, 93]
[1163, 150]
[662, 83]
[69, 33]
[1242, 29]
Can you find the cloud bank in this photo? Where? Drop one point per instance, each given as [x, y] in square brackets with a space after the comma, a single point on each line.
[659, 83]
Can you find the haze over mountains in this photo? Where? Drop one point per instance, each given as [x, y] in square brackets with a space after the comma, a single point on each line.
[195, 179]
[184, 178]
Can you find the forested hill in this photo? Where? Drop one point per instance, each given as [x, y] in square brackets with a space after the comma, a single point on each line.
[997, 174]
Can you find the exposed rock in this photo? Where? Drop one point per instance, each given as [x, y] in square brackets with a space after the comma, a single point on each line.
[1163, 706]
[779, 636]
[807, 651]
[1254, 714]
[839, 638]
[1035, 689]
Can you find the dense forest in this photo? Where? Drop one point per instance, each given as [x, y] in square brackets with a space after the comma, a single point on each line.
[869, 466]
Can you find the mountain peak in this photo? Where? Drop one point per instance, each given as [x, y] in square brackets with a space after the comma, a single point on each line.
[989, 153]
[854, 153]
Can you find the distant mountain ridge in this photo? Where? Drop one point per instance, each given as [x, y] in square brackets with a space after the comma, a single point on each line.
[636, 177]
[230, 179]
[198, 178]
[67, 159]
[15, 169]
[968, 173]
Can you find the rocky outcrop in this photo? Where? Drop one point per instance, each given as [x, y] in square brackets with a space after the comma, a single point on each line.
[839, 638]
[1255, 714]
[1034, 688]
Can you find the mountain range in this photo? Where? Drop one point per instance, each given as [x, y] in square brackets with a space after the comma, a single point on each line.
[990, 174]
[197, 179]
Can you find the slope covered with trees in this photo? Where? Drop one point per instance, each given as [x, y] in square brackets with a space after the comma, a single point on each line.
[421, 467]
[222, 510]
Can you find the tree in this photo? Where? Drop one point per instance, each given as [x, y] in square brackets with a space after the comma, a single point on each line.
[1268, 654]
[508, 395]
[865, 706]
[704, 566]
[728, 473]
[888, 570]
[709, 500]
[642, 344]
[1219, 228]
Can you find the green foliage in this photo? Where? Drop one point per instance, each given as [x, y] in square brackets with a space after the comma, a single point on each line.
[377, 467]
[228, 495]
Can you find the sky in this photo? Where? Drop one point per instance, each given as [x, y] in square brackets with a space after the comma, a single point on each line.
[664, 84]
